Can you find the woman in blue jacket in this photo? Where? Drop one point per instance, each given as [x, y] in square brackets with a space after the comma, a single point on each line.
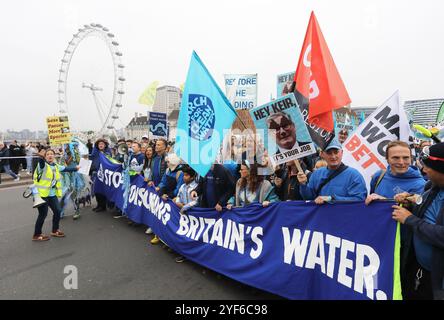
[100, 146]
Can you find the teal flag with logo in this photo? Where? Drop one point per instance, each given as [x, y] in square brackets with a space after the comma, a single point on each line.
[205, 115]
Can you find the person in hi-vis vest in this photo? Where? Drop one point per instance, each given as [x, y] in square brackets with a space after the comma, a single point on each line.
[48, 182]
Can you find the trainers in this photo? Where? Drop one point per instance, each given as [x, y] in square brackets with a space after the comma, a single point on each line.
[76, 216]
[155, 240]
[149, 231]
[180, 259]
[117, 216]
[17, 179]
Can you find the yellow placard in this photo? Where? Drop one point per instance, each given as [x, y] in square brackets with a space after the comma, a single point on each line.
[58, 130]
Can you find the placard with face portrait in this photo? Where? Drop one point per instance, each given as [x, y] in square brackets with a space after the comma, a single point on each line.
[285, 134]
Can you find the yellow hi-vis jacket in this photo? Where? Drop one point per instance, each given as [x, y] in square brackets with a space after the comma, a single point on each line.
[43, 184]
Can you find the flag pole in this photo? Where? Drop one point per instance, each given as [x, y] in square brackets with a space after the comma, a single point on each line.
[332, 134]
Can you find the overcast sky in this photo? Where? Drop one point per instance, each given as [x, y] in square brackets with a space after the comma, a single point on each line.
[378, 47]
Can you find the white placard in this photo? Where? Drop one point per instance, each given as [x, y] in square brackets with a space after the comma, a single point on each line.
[241, 90]
[85, 165]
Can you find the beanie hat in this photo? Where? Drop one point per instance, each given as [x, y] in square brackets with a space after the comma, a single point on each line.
[433, 157]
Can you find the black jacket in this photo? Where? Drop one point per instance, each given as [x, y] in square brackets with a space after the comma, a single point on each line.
[224, 186]
[4, 153]
[433, 234]
[289, 190]
[15, 150]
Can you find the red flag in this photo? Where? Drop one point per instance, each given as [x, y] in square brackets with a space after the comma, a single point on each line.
[318, 80]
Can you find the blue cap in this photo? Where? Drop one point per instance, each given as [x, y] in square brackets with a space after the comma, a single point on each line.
[334, 144]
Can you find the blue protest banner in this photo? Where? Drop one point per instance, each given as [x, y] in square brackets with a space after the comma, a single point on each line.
[158, 125]
[294, 249]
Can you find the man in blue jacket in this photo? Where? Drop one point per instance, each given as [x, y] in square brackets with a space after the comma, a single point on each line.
[422, 251]
[334, 182]
[399, 177]
[216, 188]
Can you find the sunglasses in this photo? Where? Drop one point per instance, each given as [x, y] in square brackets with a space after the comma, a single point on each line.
[425, 154]
[285, 124]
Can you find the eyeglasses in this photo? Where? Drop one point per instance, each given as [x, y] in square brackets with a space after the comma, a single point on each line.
[425, 154]
[285, 124]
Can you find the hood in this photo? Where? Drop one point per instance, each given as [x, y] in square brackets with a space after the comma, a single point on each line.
[412, 173]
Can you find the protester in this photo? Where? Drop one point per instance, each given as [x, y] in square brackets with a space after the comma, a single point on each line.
[119, 158]
[129, 142]
[148, 164]
[159, 163]
[5, 163]
[136, 159]
[422, 145]
[48, 181]
[216, 188]
[30, 152]
[145, 139]
[335, 182]
[90, 146]
[252, 187]
[100, 147]
[399, 177]
[171, 182]
[15, 151]
[184, 199]
[422, 252]
[286, 181]
[147, 172]
[143, 147]
[23, 159]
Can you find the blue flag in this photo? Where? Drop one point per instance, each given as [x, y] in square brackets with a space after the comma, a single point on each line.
[205, 113]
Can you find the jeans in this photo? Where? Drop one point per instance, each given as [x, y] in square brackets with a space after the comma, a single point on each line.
[29, 164]
[9, 171]
[54, 204]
